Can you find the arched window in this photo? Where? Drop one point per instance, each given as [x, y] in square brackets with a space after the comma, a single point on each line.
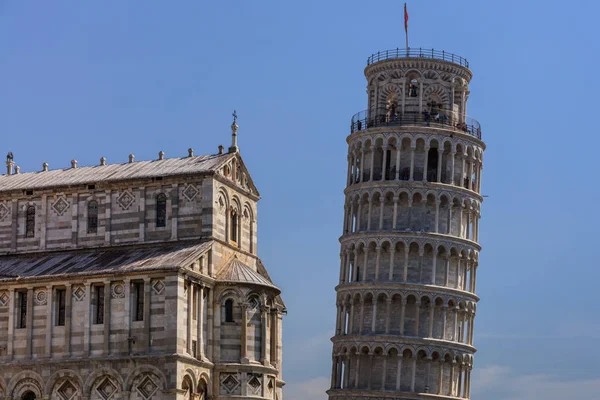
[234, 226]
[30, 222]
[161, 210]
[229, 310]
[92, 217]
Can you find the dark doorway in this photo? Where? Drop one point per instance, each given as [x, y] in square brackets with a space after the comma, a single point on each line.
[432, 165]
[28, 396]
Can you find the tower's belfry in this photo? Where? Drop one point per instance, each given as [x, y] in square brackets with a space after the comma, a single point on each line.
[406, 297]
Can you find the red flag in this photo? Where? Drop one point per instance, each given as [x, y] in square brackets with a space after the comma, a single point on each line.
[405, 19]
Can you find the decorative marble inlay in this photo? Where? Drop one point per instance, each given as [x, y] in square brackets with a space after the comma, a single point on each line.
[4, 211]
[147, 387]
[106, 389]
[125, 200]
[158, 286]
[254, 384]
[40, 297]
[60, 205]
[4, 298]
[190, 192]
[79, 292]
[230, 383]
[67, 390]
[118, 291]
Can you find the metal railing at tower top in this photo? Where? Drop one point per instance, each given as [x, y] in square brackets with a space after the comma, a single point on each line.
[443, 119]
[417, 53]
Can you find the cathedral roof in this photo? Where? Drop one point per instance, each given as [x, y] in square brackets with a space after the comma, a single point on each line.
[114, 172]
[114, 260]
[237, 272]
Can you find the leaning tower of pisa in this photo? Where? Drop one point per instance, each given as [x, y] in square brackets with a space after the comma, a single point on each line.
[406, 299]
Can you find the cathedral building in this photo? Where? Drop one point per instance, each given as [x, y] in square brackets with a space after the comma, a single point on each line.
[406, 298]
[137, 281]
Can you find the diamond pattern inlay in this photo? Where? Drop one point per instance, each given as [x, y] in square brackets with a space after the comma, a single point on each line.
[190, 192]
[254, 383]
[106, 389]
[4, 299]
[158, 286]
[125, 200]
[60, 205]
[230, 383]
[3, 211]
[147, 388]
[78, 293]
[67, 390]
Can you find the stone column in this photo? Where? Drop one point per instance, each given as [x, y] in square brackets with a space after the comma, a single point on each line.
[444, 319]
[395, 216]
[418, 316]
[351, 322]
[414, 371]
[361, 319]
[370, 210]
[399, 372]
[455, 325]
[439, 168]
[398, 149]
[190, 307]
[388, 312]
[334, 375]
[427, 374]
[357, 372]
[244, 334]
[412, 163]
[402, 313]
[431, 316]
[29, 323]
[381, 207]
[384, 372]
[347, 373]
[68, 316]
[200, 322]
[437, 216]
[434, 267]
[49, 323]
[447, 272]
[452, 156]
[372, 163]
[370, 380]
[264, 356]
[364, 273]
[392, 254]
[377, 261]
[440, 390]
[358, 215]
[406, 251]
[374, 316]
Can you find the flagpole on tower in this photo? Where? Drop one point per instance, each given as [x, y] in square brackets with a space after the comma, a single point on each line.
[406, 28]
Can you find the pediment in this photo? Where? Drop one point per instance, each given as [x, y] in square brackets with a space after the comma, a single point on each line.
[236, 172]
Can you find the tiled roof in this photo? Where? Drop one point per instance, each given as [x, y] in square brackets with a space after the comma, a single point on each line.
[236, 271]
[100, 261]
[113, 172]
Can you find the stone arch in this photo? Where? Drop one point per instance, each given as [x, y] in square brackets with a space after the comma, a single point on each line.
[23, 382]
[3, 393]
[203, 386]
[62, 375]
[230, 292]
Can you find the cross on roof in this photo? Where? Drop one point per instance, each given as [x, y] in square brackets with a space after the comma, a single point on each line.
[234, 115]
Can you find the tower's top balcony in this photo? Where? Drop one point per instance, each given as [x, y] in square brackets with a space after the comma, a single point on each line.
[443, 119]
[419, 53]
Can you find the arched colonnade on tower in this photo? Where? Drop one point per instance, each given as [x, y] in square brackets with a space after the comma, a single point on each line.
[409, 261]
[415, 157]
[388, 209]
[407, 368]
[409, 314]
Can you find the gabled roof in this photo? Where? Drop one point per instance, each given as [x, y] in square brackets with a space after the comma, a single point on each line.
[100, 261]
[237, 272]
[114, 172]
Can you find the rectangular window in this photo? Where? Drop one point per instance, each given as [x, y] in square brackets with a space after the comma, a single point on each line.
[138, 301]
[22, 304]
[194, 344]
[99, 317]
[61, 297]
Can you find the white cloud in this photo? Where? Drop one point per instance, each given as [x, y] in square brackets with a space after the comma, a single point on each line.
[313, 389]
[500, 383]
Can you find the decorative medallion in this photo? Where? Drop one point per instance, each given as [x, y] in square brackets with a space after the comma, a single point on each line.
[4, 211]
[125, 200]
[78, 292]
[40, 297]
[67, 390]
[158, 286]
[106, 389]
[60, 205]
[118, 291]
[4, 298]
[190, 192]
[254, 383]
[147, 388]
[230, 383]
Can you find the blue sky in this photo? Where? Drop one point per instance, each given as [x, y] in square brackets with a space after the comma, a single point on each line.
[89, 79]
